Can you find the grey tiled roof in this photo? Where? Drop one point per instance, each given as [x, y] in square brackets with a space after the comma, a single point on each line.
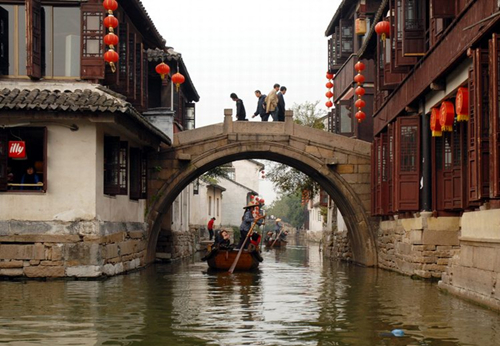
[60, 100]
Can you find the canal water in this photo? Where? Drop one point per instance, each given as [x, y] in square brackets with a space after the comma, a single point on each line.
[296, 298]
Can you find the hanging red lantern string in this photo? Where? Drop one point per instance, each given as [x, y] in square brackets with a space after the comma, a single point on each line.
[329, 86]
[359, 91]
[178, 79]
[110, 22]
[383, 29]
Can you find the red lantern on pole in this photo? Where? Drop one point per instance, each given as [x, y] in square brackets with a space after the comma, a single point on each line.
[178, 79]
[329, 104]
[359, 66]
[360, 115]
[329, 75]
[360, 103]
[360, 91]
[110, 22]
[329, 94]
[447, 115]
[111, 40]
[383, 28]
[462, 104]
[329, 85]
[435, 124]
[162, 69]
[359, 79]
[110, 5]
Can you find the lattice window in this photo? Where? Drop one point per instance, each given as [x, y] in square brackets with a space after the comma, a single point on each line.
[93, 33]
[409, 148]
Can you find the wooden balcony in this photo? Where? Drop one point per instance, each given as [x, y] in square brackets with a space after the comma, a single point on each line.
[344, 78]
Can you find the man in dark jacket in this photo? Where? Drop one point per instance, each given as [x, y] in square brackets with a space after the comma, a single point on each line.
[261, 106]
[281, 104]
[240, 109]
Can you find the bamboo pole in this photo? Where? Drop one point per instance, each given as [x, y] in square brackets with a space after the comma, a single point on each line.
[250, 231]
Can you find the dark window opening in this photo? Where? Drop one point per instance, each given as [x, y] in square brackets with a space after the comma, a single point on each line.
[23, 159]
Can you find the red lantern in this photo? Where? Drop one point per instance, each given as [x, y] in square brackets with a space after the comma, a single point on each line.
[329, 104]
[162, 69]
[110, 5]
[262, 201]
[111, 56]
[111, 39]
[329, 75]
[359, 66]
[462, 104]
[360, 115]
[435, 125]
[360, 91]
[178, 79]
[329, 94]
[447, 115]
[383, 28]
[360, 103]
[359, 78]
[110, 21]
[329, 85]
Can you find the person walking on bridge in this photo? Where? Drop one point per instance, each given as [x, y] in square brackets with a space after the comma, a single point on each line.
[261, 106]
[272, 102]
[240, 108]
[281, 104]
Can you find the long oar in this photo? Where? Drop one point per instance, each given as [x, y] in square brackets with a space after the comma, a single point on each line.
[250, 231]
[275, 240]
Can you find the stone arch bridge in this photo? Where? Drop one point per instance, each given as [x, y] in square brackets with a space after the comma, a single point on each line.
[339, 164]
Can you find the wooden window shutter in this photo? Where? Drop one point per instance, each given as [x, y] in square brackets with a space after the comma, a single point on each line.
[4, 41]
[92, 65]
[399, 62]
[414, 26]
[4, 156]
[385, 164]
[123, 177]
[482, 123]
[346, 38]
[374, 177]
[144, 174]
[111, 165]
[390, 173]
[495, 115]
[34, 38]
[139, 64]
[330, 54]
[407, 168]
[472, 167]
[135, 173]
[145, 79]
[442, 8]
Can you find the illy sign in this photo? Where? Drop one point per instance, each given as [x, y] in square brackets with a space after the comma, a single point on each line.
[17, 149]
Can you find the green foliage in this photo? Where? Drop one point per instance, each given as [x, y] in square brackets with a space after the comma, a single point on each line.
[212, 175]
[288, 207]
[306, 114]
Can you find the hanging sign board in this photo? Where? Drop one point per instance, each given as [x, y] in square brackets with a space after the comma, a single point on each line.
[17, 149]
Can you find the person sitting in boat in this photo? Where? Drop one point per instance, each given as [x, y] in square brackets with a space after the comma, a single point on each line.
[222, 241]
[246, 222]
[283, 235]
[255, 239]
[269, 237]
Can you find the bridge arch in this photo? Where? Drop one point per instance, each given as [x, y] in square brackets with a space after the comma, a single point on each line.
[340, 165]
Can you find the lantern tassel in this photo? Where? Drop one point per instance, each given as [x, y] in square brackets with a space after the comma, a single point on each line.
[113, 66]
[462, 117]
[437, 133]
[447, 128]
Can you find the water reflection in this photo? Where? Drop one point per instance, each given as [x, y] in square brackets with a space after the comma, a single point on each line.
[296, 298]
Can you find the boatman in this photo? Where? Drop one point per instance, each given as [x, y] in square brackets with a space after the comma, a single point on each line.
[247, 221]
[210, 227]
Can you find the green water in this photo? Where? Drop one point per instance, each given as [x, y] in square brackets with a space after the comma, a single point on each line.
[296, 298]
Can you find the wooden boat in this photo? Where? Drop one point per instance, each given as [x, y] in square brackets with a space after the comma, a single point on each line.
[223, 259]
[279, 243]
